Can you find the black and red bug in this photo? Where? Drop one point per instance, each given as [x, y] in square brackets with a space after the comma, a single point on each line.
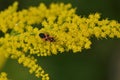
[46, 37]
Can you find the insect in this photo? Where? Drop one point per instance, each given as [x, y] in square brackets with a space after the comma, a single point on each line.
[46, 37]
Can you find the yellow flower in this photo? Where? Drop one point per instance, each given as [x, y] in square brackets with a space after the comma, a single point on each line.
[3, 76]
[21, 40]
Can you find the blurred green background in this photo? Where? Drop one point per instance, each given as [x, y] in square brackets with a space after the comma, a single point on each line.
[92, 64]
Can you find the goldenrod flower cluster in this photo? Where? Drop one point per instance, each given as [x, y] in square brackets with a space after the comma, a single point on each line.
[21, 29]
[3, 76]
